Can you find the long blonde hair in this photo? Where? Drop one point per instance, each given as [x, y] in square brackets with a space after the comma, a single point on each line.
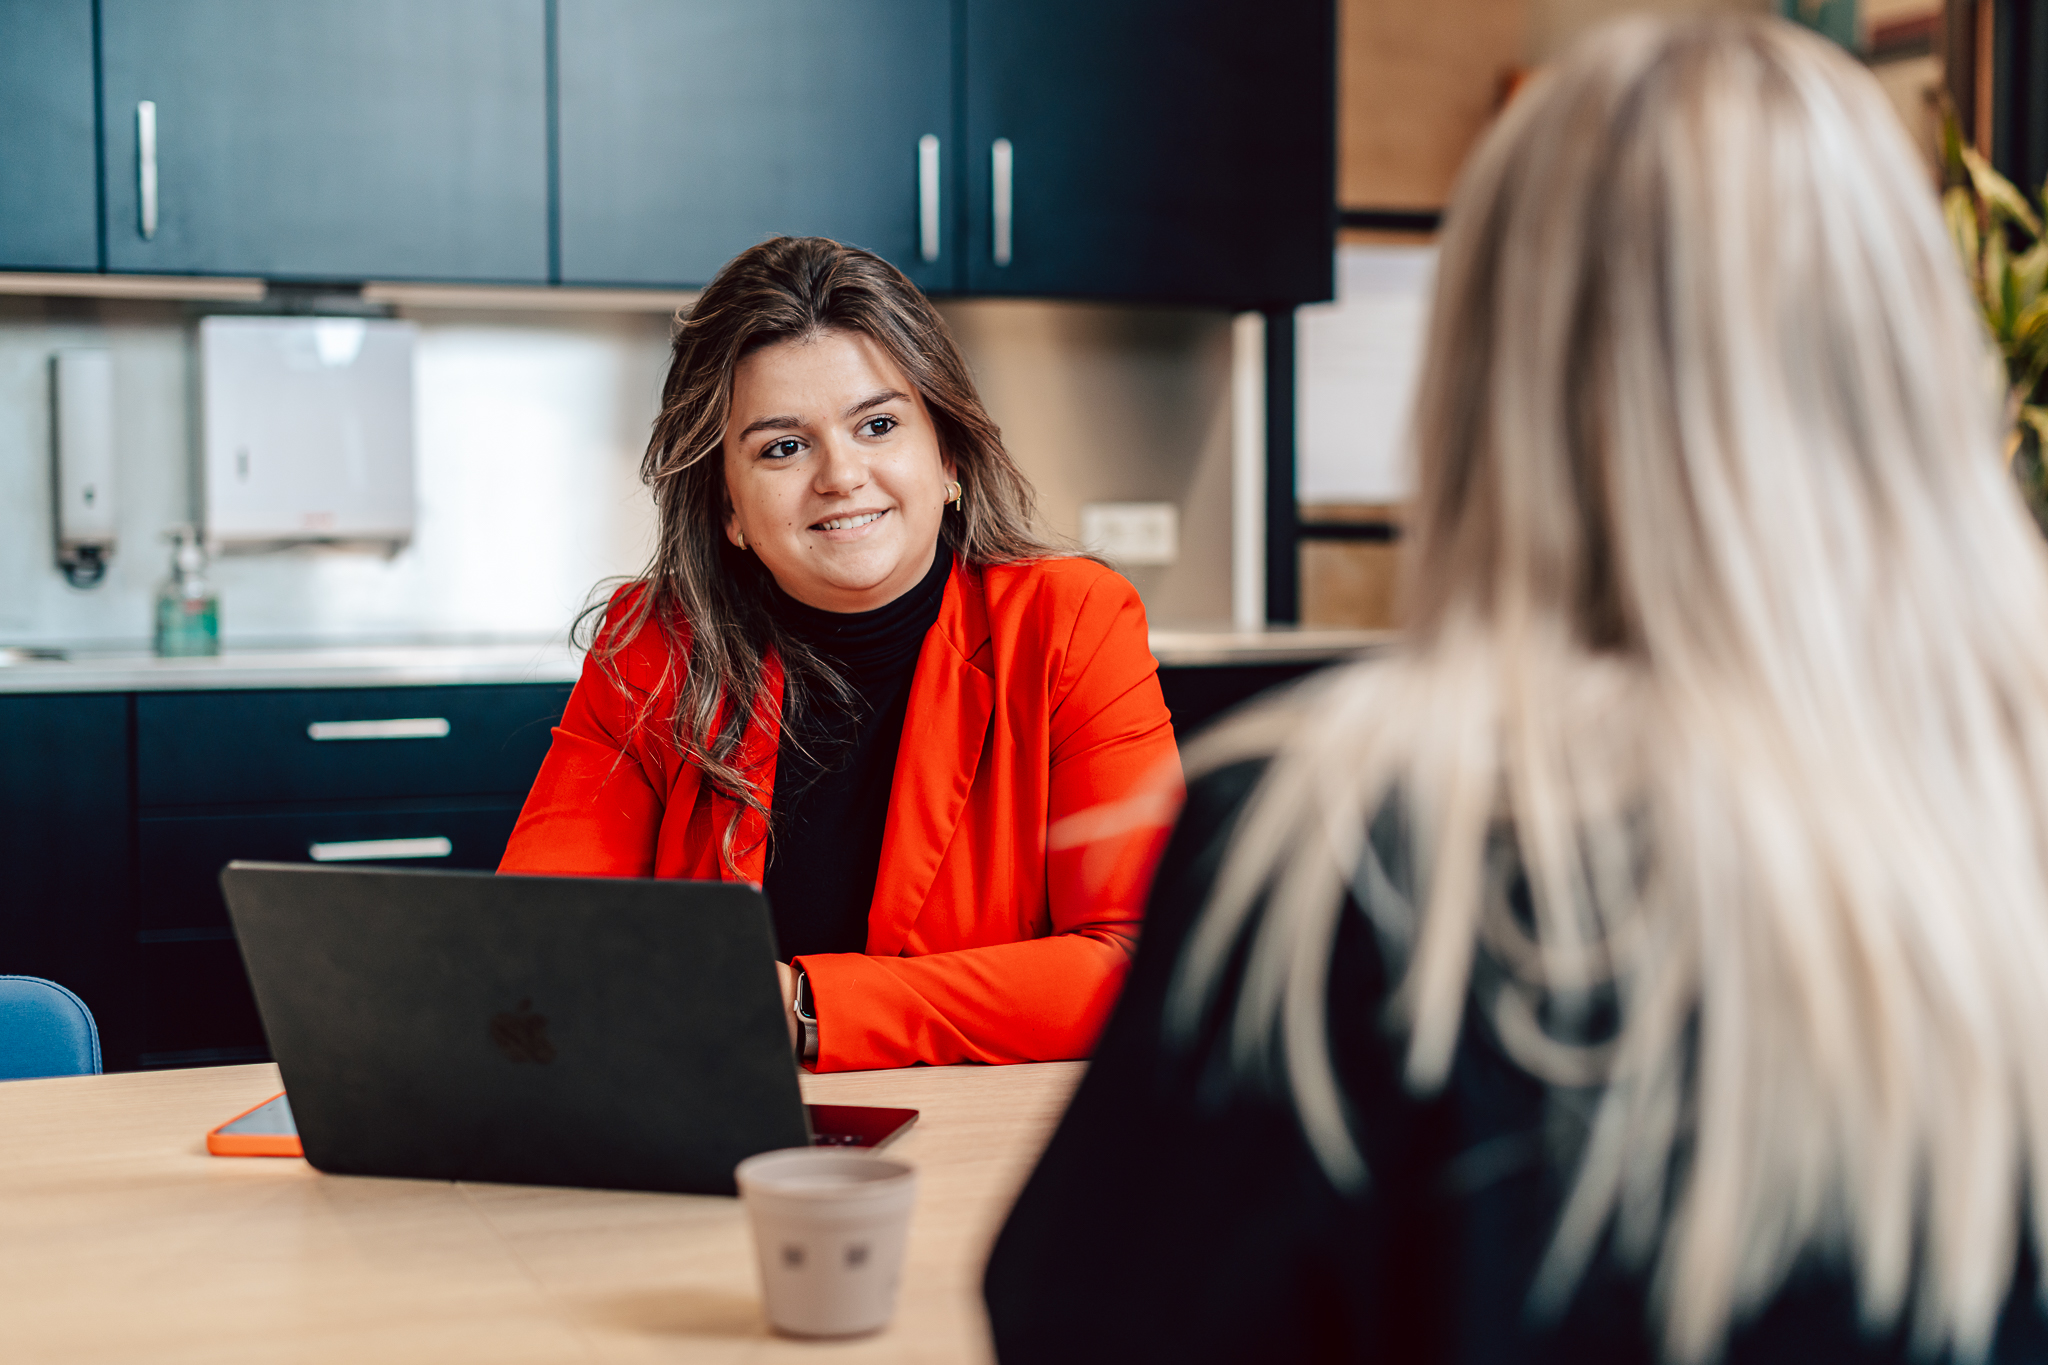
[1724, 623]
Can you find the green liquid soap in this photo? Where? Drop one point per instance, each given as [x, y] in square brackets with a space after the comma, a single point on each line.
[187, 607]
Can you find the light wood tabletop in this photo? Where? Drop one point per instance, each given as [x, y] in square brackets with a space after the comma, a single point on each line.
[121, 1240]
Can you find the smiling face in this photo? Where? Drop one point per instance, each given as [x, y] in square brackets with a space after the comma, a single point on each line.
[834, 471]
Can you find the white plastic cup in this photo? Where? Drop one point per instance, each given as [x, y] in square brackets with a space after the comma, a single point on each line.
[829, 1229]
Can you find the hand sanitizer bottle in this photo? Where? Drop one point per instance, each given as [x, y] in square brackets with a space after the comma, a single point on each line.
[187, 609]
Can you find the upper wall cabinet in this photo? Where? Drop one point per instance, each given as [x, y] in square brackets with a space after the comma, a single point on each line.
[689, 132]
[327, 139]
[1178, 150]
[49, 205]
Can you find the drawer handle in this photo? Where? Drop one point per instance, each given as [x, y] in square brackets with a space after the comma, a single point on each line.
[418, 727]
[360, 850]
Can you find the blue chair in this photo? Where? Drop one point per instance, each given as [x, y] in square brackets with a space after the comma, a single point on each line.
[45, 1030]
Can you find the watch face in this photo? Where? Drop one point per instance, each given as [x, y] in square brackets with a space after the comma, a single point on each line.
[804, 1008]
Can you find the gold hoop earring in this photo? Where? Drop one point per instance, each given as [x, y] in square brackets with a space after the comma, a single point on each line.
[955, 496]
[739, 538]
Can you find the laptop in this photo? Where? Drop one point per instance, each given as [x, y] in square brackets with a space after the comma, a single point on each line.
[591, 1031]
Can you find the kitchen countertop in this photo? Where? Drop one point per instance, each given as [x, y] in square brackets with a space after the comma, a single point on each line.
[341, 666]
[443, 665]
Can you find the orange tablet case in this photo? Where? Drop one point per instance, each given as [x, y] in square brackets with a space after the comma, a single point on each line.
[221, 1142]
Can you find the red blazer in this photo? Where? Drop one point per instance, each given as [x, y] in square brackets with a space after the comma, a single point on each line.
[1035, 699]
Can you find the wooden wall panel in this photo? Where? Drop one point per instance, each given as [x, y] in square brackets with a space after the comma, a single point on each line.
[1417, 84]
[1349, 583]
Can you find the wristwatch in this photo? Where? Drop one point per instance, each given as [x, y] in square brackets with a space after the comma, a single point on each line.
[806, 1011]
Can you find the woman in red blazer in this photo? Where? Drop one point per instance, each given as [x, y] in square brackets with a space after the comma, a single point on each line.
[848, 590]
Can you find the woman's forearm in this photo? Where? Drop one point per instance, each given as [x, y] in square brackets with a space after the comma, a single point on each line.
[1041, 1000]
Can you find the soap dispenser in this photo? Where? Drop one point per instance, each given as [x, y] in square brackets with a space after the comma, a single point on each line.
[187, 608]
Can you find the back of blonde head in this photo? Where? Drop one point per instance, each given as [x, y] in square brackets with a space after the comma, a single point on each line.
[1724, 618]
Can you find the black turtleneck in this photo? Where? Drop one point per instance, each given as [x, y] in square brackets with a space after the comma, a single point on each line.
[836, 761]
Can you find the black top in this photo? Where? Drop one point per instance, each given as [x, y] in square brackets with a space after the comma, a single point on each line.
[835, 763]
[1176, 1218]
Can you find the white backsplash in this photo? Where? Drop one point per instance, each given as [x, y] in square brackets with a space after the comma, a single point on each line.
[530, 431]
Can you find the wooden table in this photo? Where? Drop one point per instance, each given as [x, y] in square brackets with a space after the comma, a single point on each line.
[121, 1240]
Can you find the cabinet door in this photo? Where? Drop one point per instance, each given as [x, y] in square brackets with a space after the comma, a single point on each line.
[1179, 150]
[67, 850]
[49, 206]
[691, 132]
[329, 139]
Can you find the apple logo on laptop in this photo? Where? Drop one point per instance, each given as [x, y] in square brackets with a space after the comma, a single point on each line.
[522, 1035]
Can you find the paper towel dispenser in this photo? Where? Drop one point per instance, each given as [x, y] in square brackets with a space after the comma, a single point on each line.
[308, 429]
[82, 462]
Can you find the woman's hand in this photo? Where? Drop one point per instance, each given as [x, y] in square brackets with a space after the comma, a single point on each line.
[785, 976]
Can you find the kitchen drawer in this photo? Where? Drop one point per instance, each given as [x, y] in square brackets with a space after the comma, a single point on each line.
[223, 748]
[181, 856]
[197, 1009]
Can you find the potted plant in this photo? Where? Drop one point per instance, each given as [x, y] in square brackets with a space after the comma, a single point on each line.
[1999, 233]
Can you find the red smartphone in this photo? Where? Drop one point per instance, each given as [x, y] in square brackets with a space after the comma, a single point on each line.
[266, 1130]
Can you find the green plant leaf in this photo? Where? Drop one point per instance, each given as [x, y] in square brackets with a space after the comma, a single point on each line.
[1953, 170]
[1998, 300]
[2030, 327]
[2030, 273]
[2024, 369]
[2027, 361]
[1998, 193]
[1960, 209]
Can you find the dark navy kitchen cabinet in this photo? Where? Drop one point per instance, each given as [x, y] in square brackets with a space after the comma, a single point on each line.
[429, 777]
[67, 855]
[49, 191]
[1142, 150]
[118, 810]
[691, 132]
[1174, 150]
[326, 139]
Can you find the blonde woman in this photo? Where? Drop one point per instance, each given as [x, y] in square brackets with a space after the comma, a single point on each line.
[1649, 960]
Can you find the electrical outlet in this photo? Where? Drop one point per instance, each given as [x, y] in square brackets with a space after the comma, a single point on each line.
[1132, 533]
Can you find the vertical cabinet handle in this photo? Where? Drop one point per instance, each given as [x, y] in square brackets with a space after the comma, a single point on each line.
[999, 163]
[928, 197]
[145, 166]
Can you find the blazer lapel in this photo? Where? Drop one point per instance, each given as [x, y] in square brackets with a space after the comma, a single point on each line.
[945, 730]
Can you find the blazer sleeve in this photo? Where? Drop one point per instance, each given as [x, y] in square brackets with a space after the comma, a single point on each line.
[596, 808]
[1113, 788]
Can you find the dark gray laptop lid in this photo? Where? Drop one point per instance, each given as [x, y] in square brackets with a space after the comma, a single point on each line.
[544, 1030]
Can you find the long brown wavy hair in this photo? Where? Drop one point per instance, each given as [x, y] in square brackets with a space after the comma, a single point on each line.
[711, 600]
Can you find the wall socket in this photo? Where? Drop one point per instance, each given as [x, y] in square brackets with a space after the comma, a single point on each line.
[1132, 533]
